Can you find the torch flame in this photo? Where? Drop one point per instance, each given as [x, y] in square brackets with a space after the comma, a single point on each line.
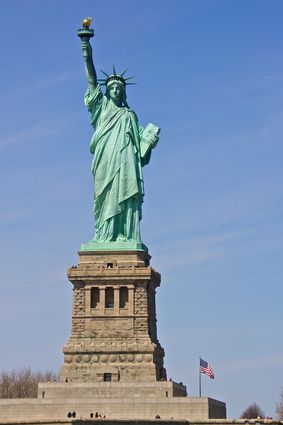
[87, 22]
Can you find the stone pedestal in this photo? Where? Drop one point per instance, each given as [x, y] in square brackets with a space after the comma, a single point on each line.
[114, 336]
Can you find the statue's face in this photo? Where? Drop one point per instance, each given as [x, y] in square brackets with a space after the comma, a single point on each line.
[116, 92]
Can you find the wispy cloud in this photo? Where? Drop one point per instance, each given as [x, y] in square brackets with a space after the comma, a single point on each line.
[38, 132]
[194, 251]
[28, 134]
[44, 83]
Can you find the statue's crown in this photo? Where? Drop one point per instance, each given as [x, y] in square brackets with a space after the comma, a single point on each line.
[119, 78]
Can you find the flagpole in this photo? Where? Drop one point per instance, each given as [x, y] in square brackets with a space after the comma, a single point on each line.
[199, 379]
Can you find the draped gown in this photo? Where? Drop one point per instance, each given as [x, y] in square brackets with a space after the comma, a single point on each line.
[117, 169]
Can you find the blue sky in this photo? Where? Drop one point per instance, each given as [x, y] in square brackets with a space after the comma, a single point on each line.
[210, 74]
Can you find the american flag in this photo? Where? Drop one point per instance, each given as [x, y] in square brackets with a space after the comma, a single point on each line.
[205, 368]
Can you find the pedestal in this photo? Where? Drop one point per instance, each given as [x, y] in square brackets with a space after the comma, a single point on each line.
[114, 336]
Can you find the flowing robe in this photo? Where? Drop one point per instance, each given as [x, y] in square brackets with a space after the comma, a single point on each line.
[117, 169]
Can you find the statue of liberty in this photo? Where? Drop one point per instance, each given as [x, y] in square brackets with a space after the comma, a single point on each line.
[120, 148]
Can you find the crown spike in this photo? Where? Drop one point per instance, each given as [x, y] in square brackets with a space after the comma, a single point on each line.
[114, 76]
[106, 75]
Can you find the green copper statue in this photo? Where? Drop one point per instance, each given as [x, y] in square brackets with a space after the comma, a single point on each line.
[121, 147]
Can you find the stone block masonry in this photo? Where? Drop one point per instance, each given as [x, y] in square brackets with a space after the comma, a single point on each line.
[114, 335]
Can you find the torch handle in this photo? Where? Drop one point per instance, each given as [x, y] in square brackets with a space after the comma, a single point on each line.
[85, 39]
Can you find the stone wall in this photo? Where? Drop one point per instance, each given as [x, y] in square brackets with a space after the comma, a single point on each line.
[115, 409]
[78, 322]
[163, 389]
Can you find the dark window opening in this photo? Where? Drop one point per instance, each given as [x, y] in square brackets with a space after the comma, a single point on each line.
[109, 298]
[107, 377]
[110, 265]
[124, 297]
[94, 297]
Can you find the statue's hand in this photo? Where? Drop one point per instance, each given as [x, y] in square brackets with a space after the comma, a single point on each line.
[87, 50]
[153, 140]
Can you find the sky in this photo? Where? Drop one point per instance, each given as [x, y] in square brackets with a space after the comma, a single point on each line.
[210, 74]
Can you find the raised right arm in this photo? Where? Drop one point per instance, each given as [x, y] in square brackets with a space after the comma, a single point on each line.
[89, 66]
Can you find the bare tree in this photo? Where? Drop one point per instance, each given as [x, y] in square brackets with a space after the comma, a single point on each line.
[22, 383]
[279, 407]
[253, 411]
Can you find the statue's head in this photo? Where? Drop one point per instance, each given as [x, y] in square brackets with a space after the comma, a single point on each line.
[116, 87]
[116, 91]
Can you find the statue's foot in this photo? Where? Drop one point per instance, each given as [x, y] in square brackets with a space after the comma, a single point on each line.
[121, 238]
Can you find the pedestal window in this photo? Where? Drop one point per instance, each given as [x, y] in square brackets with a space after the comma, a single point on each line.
[109, 298]
[123, 297]
[107, 377]
[94, 297]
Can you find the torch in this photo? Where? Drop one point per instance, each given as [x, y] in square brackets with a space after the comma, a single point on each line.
[86, 33]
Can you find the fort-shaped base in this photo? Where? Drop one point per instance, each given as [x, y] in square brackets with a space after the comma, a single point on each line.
[55, 400]
[106, 390]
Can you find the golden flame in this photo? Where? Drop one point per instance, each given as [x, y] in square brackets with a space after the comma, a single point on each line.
[87, 22]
